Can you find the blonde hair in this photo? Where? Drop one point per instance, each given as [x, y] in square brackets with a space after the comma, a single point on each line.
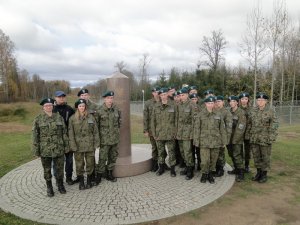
[77, 114]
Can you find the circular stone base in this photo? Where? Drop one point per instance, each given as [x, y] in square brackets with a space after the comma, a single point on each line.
[138, 163]
[130, 200]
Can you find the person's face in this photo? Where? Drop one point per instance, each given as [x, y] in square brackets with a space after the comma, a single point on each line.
[194, 100]
[209, 105]
[177, 98]
[233, 103]
[109, 100]
[48, 107]
[155, 94]
[219, 104]
[261, 102]
[163, 97]
[81, 107]
[171, 92]
[183, 97]
[60, 100]
[85, 96]
[244, 101]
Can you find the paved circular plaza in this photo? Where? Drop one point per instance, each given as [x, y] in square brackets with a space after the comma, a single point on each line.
[130, 200]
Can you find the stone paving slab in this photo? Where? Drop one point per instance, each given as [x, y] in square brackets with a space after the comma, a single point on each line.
[130, 200]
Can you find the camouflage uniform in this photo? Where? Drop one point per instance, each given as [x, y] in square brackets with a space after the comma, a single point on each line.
[49, 141]
[247, 152]
[263, 125]
[84, 139]
[109, 123]
[163, 130]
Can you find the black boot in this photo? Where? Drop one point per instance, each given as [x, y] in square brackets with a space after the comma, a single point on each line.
[110, 176]
[98, 178]
[154, 166]
[257, 175]
[81, 183]
[220, 171]
[211, 178]
[189, 173]
[263, 177]
[247, 168]
[69, 181]
[93, 179]
[203, 178]
[184, 171]
[173, 173]
[50, 192]
[239, 176]
[61, 187]
[89, 182]
[161, 170]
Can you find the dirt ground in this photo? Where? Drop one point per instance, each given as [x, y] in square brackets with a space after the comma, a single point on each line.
[10, 127]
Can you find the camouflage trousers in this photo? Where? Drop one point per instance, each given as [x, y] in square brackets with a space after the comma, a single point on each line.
[154, 148]
[162, 151]
[247, 150]
[47, 165]
[235, 151]
[262, 156]
[221, 158]
[209, 157]
[108, 155]
[84, 159]
[186, 152]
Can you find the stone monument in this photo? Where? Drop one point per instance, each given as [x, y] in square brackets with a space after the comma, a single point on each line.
[133, 159]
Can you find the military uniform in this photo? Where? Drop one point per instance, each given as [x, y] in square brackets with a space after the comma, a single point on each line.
[163, 130]
[263, 125]
[49, 141]
[247, 151]
[84, 139]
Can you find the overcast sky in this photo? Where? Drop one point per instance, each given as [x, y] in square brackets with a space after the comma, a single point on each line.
[81, 41]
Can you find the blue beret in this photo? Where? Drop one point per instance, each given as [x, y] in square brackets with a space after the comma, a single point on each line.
[47, 100]
[244, 94]
[155, 89]
[59, 93]
[220, 97]
[209, 91]
[82, 91]
[163, 90]
[210, 99]
[235, 98]
[79, 101]
[262, 95]
[193, 96]
[108, 93]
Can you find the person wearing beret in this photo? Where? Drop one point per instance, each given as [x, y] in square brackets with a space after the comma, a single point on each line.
[147, 117]
[208, 92]
[66, 111]
[163, 131]
[184, 131]
[244, 103]
[227, 117]
[171, 91]
[109, 124]
[209, 134]
[263, 126]
[84, 139]
[50, 141]
[193, 90]
[235, 145]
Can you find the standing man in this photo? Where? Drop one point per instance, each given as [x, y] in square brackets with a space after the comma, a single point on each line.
[235, 146]
[163, 131]
[66, 112]
[49, 141]
[109, 123]
[263, 126]
[184, 128]
[148, 109]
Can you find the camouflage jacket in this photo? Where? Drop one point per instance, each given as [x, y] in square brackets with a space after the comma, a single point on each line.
[147, 115]
[185, 120]
[238, 126]
[227, 117]
[83, 134]
[209, 130]
[247, 113]
[109, 123]
[49, 136]
[263, 126]
[93, 108]
[163, 122]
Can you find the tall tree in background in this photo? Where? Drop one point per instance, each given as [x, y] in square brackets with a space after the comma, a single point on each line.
[213, 49]
[253, 48]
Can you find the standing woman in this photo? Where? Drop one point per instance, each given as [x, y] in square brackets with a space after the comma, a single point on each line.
[84, 139]
[49, 141]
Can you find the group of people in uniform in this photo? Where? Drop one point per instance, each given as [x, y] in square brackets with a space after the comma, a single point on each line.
[194, 133]
[61, 133]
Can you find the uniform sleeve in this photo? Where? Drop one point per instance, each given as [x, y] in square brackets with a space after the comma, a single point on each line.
[35, 139]
[71, 132]
[274, 127]
[153, 123]
[65, 137]
[249, 125]
[146, 117]
[96, 135]
[228, 123]
[223, 132]
[196, 129]
[240, 128]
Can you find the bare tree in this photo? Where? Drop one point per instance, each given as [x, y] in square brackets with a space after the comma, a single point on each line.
[120, 66]
[254, 45]
[143, 66]
[213, 49]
